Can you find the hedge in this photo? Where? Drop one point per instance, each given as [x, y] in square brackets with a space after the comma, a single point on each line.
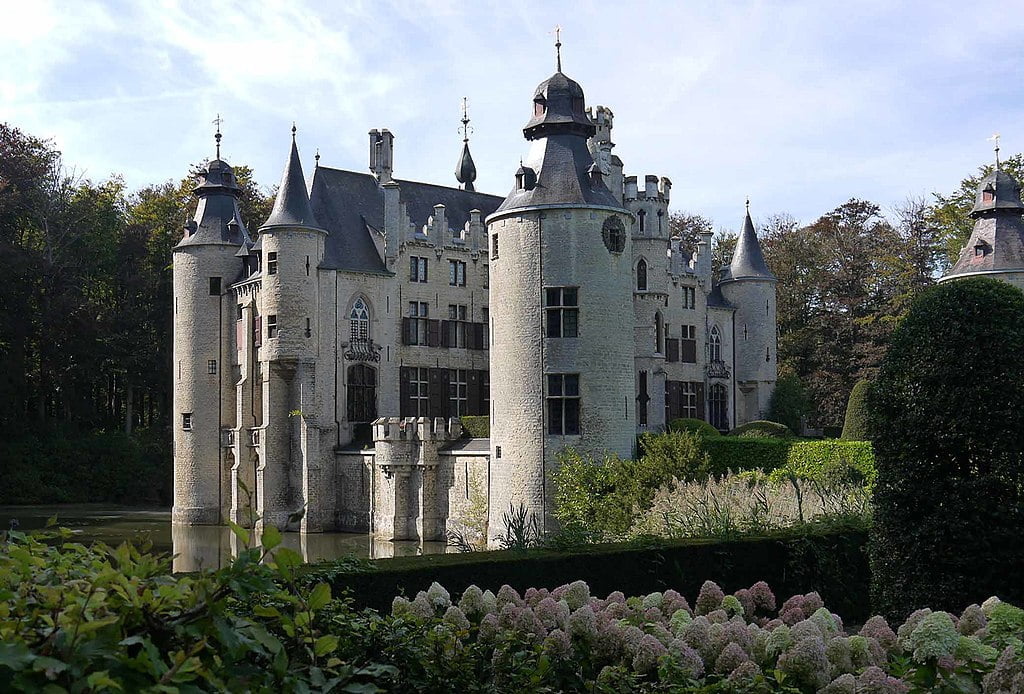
[476, 426]
[806, 458]
[762, 429]
[696, 426]
[793, 561]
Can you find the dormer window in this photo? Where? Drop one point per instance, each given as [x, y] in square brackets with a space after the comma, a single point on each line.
[989, 194]
[526, 178]
[982, 249]
[539, 106]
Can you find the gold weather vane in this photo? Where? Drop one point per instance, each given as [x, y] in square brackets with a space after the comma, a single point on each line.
[465, 130]
[558, 47]
[217, 121]
[995, 138]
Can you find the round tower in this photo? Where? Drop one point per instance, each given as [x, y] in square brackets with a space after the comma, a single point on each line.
[292, 245]
[749, 286]
[561, 364]
[204, 266]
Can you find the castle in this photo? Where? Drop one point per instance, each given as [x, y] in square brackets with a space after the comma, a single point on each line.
[320, 371]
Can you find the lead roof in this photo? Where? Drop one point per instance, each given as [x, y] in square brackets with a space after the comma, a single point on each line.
[748, 260]
[218, 194]
[291, 206]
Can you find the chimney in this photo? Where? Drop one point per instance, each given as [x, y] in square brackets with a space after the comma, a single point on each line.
[382, 145]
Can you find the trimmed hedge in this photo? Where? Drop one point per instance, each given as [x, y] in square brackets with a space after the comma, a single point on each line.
[476, 426]
[855, 426]
[834, 564]
[762, 429]
[694, 426]
[806, 458]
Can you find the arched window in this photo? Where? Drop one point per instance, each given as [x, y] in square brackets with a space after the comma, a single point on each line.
[641, 219]
[718, 407]
[641, 275]
[715, 345]
[359, 321]
[658, 332]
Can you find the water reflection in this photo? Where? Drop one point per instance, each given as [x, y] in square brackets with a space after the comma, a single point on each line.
[201, 546]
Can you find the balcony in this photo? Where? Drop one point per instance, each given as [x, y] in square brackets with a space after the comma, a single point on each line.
[717, 369]
[227, 438]
[362, 349]
[254, 438]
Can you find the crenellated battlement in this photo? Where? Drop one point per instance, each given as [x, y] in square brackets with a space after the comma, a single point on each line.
[409, 429]
[655, 189]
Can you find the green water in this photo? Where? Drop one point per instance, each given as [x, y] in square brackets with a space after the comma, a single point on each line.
[195, 547]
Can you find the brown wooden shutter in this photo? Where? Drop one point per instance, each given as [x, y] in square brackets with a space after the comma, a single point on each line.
[433, 333]
[257, 331]
[478, 335]
[474, 395]
[438, 406]
[689, 351]
[671, 349]
[404, 393]
[701, 414]
[446, 333]
[407, 324]
[675, 400]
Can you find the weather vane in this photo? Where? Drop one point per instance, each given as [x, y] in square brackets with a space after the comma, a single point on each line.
[558, 47]
[995, 138]
[217, 121]
[465, 130]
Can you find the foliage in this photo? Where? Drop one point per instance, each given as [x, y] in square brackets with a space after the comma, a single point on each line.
[788, 404]
[476, 426]
[695, 426]
[522, 530]
[762, 429]
[947, 420]
[807, 459]
[855, 426]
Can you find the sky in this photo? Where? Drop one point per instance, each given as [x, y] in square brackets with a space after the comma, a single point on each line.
[799, 105]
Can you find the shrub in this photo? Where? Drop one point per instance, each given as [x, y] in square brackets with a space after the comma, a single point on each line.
[476, 426]
[762, 429]
[947, 422]
[855, 426]
[695, 426]
[789, 402]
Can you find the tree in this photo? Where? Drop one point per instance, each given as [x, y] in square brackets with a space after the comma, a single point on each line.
[788, 404]
[946, 417]
[855, 426]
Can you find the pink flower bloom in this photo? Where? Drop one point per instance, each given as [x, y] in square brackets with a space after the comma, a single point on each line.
[577, 594]
[744, 672]
[673, 601]
[647, 653]
[710, 597]
[844, 684]
[552, 614]
[686, 657]
[972, 619]
[582, 624]
[805, 660]
[507, 595]
[557, 644]
[730, 659]
[746, 601]
[489, 627]
[875, 681]
[764, 598]
[617, 597]
[877, 628]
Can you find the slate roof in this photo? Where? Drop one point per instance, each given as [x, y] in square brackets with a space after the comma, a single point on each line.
[748, 260]
[217, 219]
[716, 299]
[347, 203]
[998, 229]
[291, 206]
[1004, 191]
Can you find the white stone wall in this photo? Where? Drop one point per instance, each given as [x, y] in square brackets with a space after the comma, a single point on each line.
[756, 346]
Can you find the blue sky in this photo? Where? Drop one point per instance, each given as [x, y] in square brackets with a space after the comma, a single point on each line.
[800, 105]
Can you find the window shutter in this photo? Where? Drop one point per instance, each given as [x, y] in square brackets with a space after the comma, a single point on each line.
[689, 349]
[701, 414]
[675, 400]
[475, 394]
[404, 393]
[446, 333]
[438, 406]
[257, 331]
[478, 335]
[433, 333]
[671, 349]
[407, 325]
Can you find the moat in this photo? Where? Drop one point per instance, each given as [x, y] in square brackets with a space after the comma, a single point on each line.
[195, 547]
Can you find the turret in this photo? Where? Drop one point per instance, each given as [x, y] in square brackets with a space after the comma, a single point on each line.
[996, 244]
[205, 263]
[465, 170]
[293, 246]
[750, 286]
[561, 283]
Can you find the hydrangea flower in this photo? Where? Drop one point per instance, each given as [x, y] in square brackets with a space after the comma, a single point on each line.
[696, 632]
[507, 595]
[840, 658]
[552, 614]
[732, 605]
[680, 618]
[865, 651]
[653, 614]
[647, 653]
[764, 598]
[489, 627]
[490, 601]
[806, 662]
[457, 618]
[990, 604]
[686, 657]
[438, 597]
[508, 615]
[746, 601]
[971, 649]
[718, 616]
[709, 598]
[421, 606]
[826, 622]
[971, 620]
[731, 657]
[778, 641]
[557, 644]
[616, 597]
[905, 629]
[401, 607]
[672, 601]
[472, 602]
[577, 594]
[631, 637]
[935, 636]
[653, 600]
[877, 628]
[526, 622]
[582, 624]
[660, 632]
[1008, 673]
[874, 681]
[744, 672]
[844, 684]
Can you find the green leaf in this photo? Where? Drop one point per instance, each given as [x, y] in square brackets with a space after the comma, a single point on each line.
[286, 558]
[101, 679]
[325, 644]
[241, 533]
[271, 538]
[361, 688]
[264, 611]
[319, 597]
[15, 656]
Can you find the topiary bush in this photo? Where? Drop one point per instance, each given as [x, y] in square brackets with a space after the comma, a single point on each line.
[762, 429]
[855, 426]
[946, 417]
[476, 426]
[789, 402]
[695, 426]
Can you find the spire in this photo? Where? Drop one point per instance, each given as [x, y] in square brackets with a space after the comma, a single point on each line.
[995, 138]
[291, 207]
[558, 48]
[465, 171]
[748, 260]
[217, 121]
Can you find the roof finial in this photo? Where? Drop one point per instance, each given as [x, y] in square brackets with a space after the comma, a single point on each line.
[748, 204]
[465, 129]
[317, 158]
[293, 131]
[558, 47]
[995, 138]
[217, 121]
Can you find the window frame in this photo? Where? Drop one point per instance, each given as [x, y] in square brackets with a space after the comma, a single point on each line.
[272, 331]
[456, 273]
[187, 421]
[563, 313]
[560, 402]
[418, 269]
[272, 263]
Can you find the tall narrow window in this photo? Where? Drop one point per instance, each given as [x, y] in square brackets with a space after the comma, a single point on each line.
[215, 286]
[419, 391]
[641, 276]
[458, 319]
[715, 345]
[658, 330]
[689, 297]
[272, 263]
[561, 305]
[417, 269]
[642, 398]
[272, 325]
[487, 327]
[718, 404]
[418, 330]
[641, 220]
[494, 246]
[359, 322]
[563, 404]
[456, 273]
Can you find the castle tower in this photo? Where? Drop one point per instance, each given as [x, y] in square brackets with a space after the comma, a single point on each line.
[289, 475]
[750, 286]
[204, 266]
[996, 245]
[561, 358]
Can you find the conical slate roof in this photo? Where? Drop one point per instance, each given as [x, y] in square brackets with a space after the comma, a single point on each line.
[748, 260]
[291, 207]
[217, 219]
[996, 243]
[465, 172]
[997, 191]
